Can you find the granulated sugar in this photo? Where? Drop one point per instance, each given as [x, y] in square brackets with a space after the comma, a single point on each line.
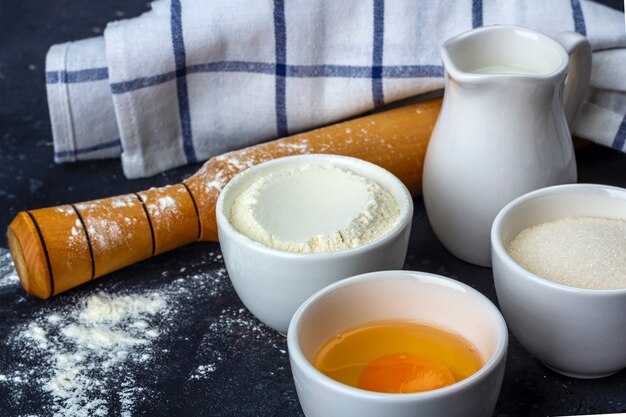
[585, 252]
[89, 355]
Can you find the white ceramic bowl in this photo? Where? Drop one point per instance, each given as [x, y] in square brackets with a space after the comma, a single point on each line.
[576, 332]
[418, 296]
[273, 283]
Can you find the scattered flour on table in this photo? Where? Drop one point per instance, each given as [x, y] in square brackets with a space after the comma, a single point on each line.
[202, 371]
[8, 275]
[86, 357]
[83, 348]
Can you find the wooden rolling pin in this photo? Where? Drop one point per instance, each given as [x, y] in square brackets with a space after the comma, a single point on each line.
[58, 248]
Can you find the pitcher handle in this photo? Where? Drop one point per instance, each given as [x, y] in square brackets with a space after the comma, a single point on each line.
[577, 81]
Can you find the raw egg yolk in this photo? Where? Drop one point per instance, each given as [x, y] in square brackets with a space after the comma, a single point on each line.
[403, 373]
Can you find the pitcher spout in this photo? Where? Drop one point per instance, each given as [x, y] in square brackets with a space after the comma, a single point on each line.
[503, 53]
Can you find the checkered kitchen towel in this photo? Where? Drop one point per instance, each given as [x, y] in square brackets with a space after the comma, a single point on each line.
[193, 78]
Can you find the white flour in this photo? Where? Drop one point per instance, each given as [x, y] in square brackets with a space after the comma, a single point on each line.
[8, 275]
[166, 202]
[123, 201]
[314, 208]
[202, 371]
[93, 339]
[86, 357]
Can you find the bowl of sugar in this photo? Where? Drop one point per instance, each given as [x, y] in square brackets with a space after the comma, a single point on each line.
[291, 226]
[559, 266]
[398, 344]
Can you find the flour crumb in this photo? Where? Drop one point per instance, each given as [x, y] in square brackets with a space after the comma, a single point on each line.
[123, 201]
[37, 333]
[166, 202]
[302, 146]
[53, 318]
[203, 370]
[101, 307]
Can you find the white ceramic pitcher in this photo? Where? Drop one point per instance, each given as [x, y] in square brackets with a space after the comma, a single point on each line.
[503, 128]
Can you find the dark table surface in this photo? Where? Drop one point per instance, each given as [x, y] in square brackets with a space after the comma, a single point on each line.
[249, 368]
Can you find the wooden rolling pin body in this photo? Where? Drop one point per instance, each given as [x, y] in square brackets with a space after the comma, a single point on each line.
[58, 248]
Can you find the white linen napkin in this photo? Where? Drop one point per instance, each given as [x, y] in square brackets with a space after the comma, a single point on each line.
[80, 102]
[193, 78]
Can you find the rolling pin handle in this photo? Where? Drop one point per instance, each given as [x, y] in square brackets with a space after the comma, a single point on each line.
[58, 248]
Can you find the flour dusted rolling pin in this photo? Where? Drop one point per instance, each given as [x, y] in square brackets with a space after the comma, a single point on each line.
[58, 248]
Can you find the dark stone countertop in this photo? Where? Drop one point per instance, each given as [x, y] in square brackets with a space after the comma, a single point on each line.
[248, 369]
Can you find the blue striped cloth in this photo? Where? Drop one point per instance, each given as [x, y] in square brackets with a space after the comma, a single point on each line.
[194, 78]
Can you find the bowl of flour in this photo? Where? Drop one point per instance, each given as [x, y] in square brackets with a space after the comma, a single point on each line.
[291, 226]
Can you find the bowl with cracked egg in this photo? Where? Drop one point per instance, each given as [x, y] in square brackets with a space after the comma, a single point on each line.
[398, 344]
[291, 226]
